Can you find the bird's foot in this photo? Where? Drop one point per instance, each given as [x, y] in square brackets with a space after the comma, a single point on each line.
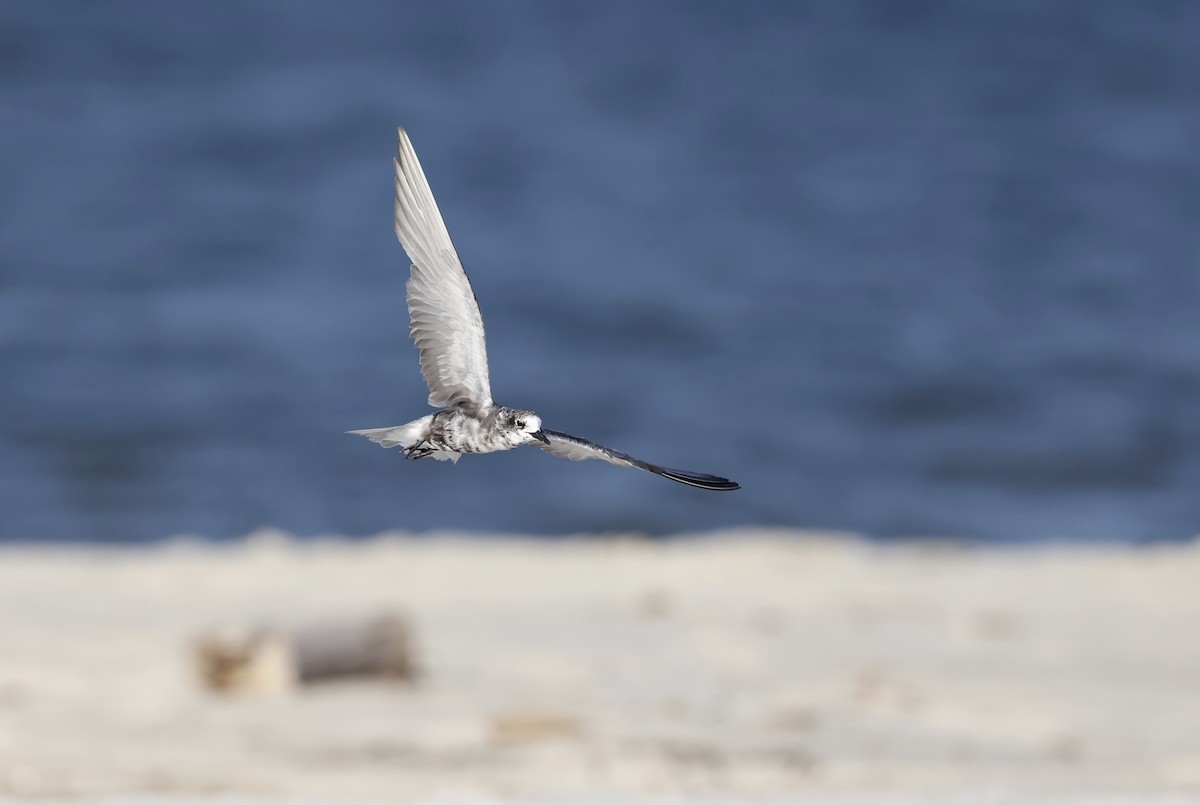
[417, 451]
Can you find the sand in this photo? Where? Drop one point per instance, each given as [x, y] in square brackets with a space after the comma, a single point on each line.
[746, 667]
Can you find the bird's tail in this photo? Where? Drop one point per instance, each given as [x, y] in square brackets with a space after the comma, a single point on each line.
[398, 435]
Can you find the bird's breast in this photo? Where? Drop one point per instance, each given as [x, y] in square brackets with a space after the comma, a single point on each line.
[461, 433]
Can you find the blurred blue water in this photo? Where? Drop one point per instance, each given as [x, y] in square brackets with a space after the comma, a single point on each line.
[949, 249]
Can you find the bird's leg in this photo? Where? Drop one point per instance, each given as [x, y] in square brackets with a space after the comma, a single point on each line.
[418, 451]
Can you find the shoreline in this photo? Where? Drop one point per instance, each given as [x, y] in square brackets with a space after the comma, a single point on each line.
[743, 664]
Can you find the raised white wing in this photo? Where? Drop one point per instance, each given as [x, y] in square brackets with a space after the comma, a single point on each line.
[576, 449]
[444, 317]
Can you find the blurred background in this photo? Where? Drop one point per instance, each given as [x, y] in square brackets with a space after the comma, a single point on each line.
[904, 269]
[901, 269]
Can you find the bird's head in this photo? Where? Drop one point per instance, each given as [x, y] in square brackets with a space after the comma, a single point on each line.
[521, 423]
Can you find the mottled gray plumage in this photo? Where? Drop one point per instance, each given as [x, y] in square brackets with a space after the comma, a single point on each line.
[448, 330]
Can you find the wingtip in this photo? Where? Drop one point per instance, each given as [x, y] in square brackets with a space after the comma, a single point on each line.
[713, 483]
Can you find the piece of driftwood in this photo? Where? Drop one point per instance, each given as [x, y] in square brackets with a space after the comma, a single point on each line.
[249, 660]
[264, 661]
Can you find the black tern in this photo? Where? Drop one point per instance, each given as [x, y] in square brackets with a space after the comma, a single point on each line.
[447, 328]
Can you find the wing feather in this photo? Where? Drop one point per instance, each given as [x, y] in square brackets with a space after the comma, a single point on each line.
[445, 322]
[577, 449]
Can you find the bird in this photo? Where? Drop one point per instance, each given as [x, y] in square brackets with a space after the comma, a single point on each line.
[447, 329]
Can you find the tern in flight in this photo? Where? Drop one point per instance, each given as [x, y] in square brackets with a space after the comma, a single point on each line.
[448, 330]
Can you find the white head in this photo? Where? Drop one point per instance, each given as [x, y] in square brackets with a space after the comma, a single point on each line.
[524, 426]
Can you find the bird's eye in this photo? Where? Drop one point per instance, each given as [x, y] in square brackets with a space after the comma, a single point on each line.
[520, 424]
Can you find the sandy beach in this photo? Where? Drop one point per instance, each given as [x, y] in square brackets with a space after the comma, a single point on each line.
[742, 667]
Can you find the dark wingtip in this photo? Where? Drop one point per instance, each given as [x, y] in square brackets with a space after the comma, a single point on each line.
[699, 480]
